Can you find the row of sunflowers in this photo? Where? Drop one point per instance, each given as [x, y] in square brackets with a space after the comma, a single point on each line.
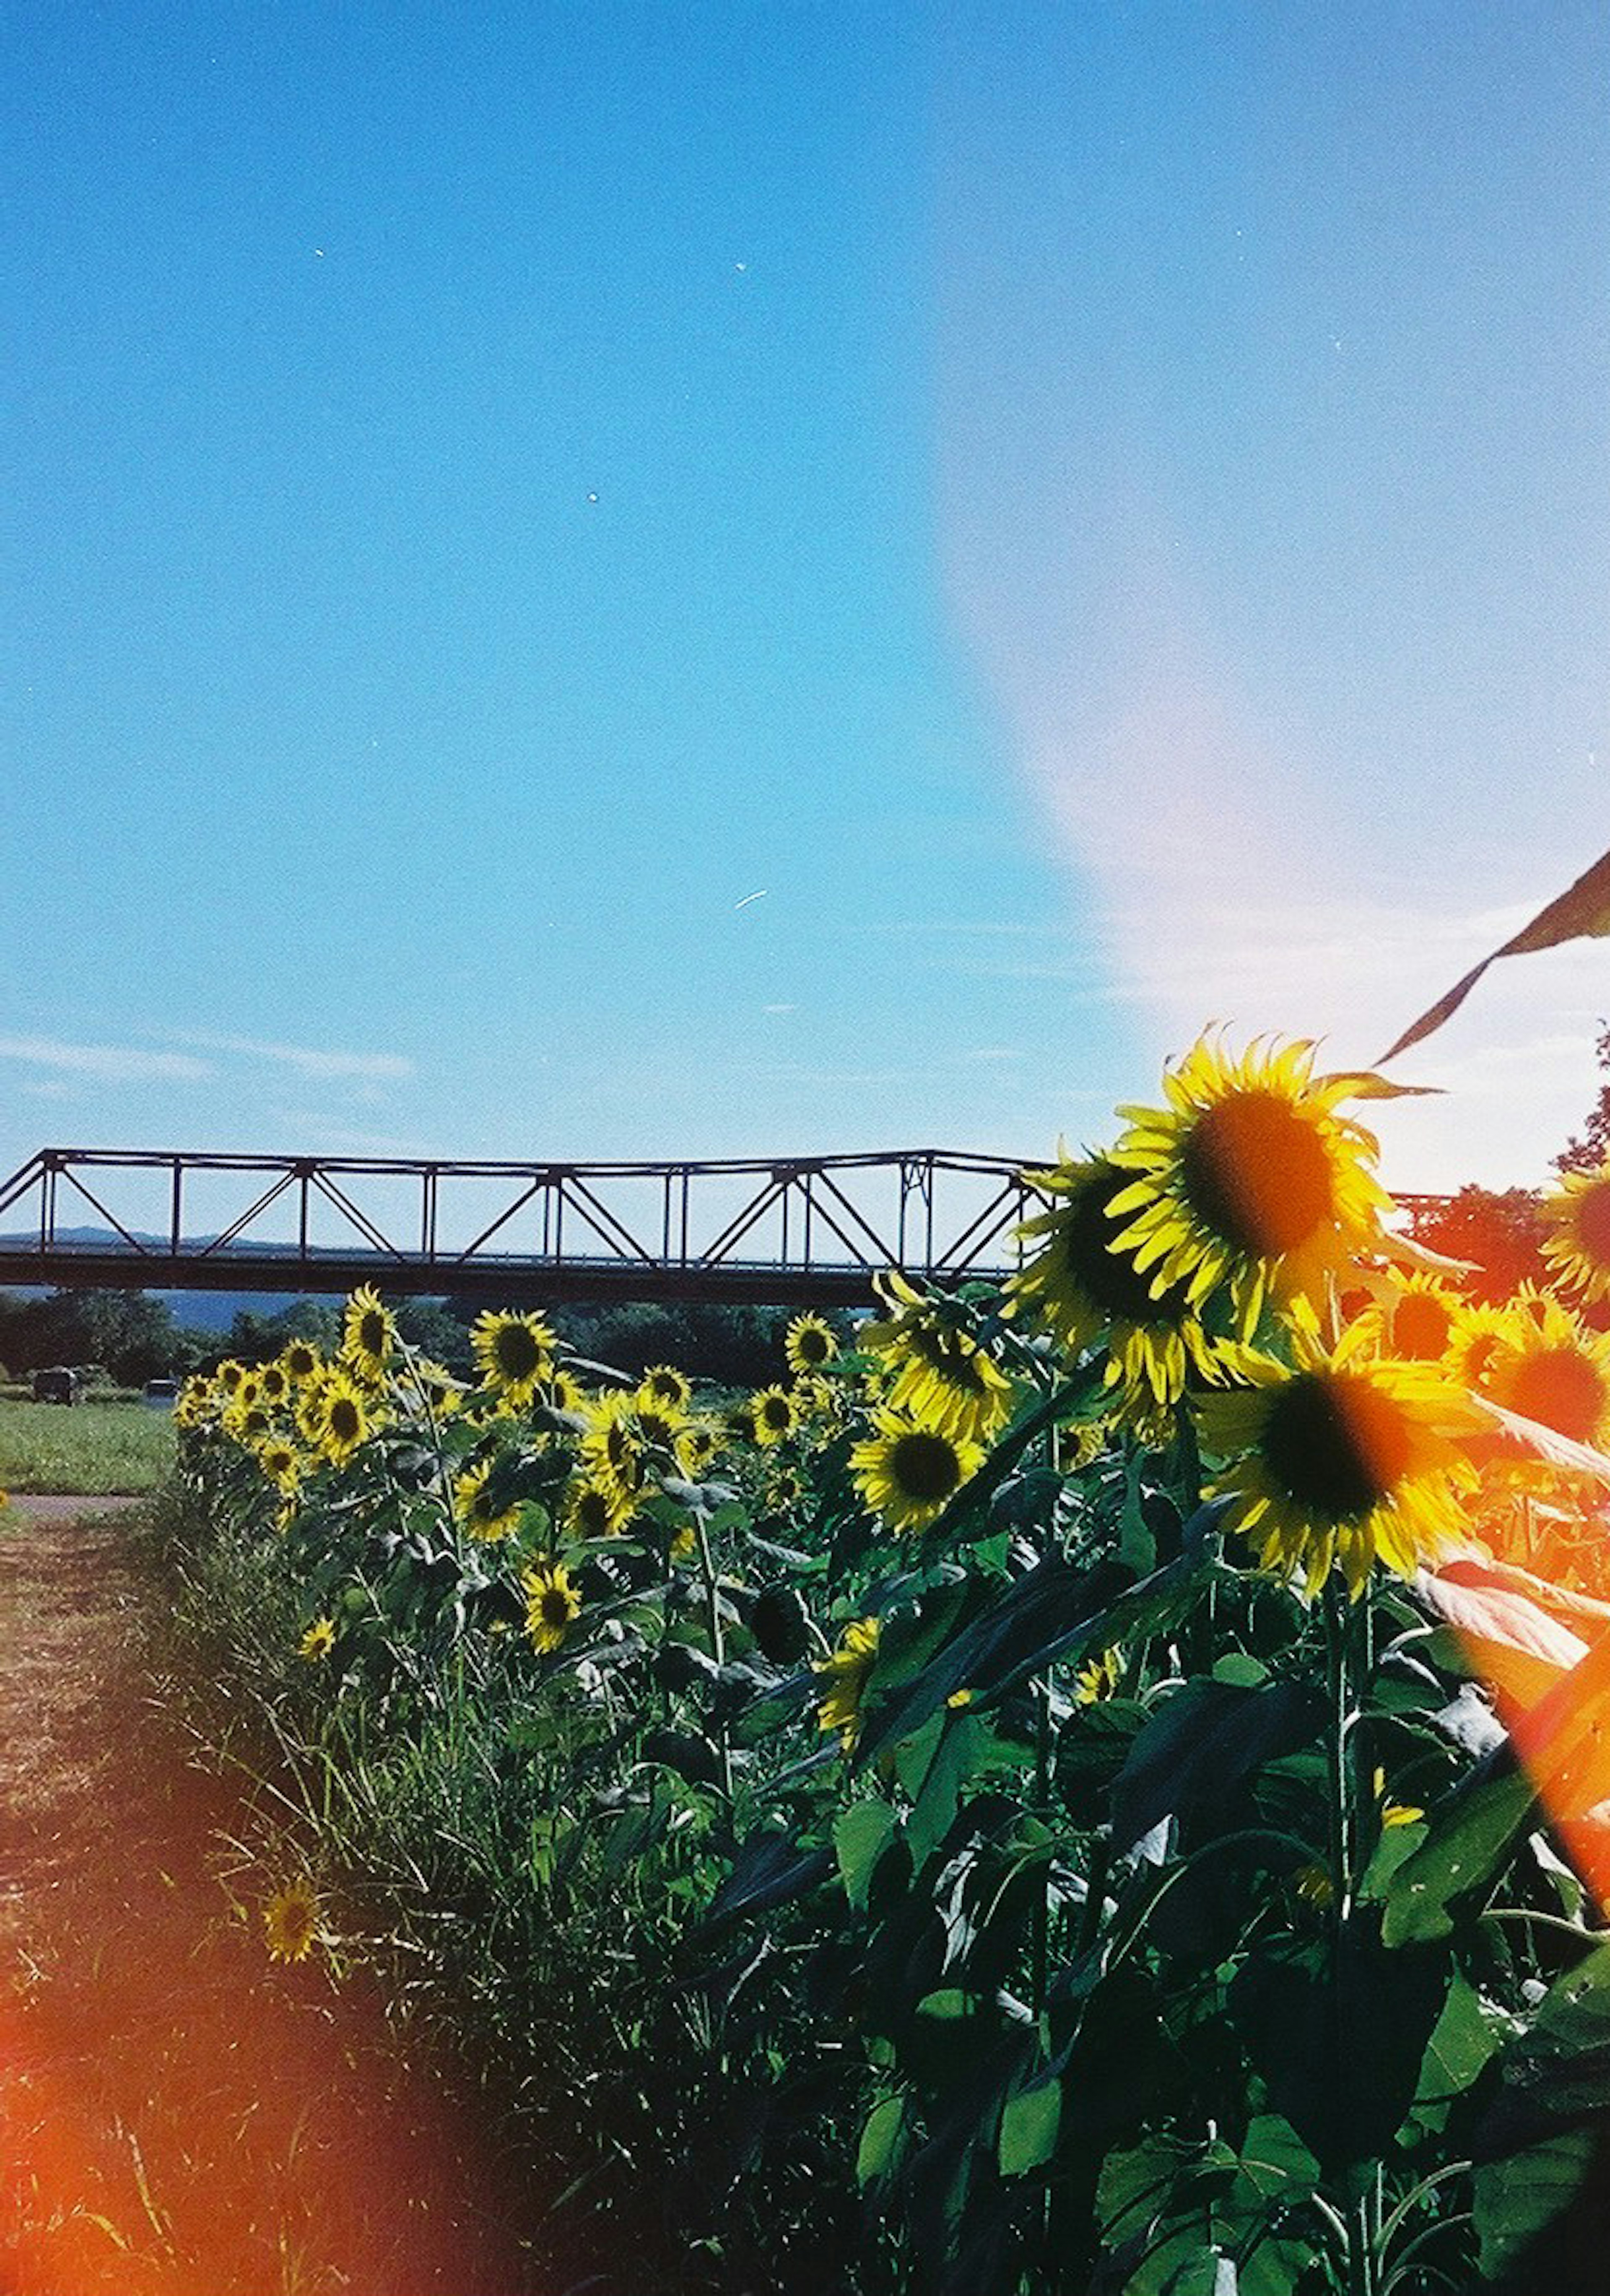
[1087, 1783]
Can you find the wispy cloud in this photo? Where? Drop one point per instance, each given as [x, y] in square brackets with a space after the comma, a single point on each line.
[368, 1068]
[105, 1064]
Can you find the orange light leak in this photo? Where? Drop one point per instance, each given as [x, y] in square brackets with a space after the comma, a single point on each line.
[1552, 1690]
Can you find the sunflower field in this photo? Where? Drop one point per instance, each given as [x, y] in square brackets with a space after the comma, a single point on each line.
[1098, 1783]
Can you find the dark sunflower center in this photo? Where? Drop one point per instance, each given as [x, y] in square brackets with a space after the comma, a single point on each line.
[1421, 1327]
[925, 1466]
[555, 1607]
[950, 1355]
[519, 1354]
[1257, 1173]
[1563, 1389]
[1592, 1223]
[1110, 1278]
[592, 1511]
[1335, 1446]
[811, 1346]
[372, 1332]
[344, 1422]
[778, 1411]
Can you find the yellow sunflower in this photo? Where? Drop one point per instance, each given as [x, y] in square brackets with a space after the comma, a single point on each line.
[1417, 1319]
[937, 1371]
[368, 1333]
[335, 1417]
[1250, 1183]
[1549, 1366]
[1578, 1245]
[229, 1375]
[300, 1362]
[290, 1920]
[595, 1510]
[1083, 1290]
[552, 1605]
[611, 1448]
[847, 1672]
[281, 1463]
[273, 1384]
[514, 1353]
[809, 1344]
[471, 1508]
[908, 1471]
[319, 1640]
[664, 1383]
[1346, 1459]
[775, 1415]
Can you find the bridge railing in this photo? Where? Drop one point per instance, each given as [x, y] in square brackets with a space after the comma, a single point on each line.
[782, 1229]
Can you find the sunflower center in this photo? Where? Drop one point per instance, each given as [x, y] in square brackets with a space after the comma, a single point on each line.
[1256, 1171]
[925, 1466]
[344, 1422]
[776, 1411]
[1421, 1327]
[519, 1354]
[811, 1346]
[555, 1607]
[1592, 1223]
[592, 1512]
[371, 1333]
[1563, 1389]
[1336, 1446]
[1110, 1278]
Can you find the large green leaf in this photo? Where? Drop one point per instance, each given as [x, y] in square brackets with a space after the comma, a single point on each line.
[1518, 2197]
[1470, 1837]
[1202, 1743]
[1341, 2042]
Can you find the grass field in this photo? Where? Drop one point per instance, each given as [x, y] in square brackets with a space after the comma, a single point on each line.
[93, 1449]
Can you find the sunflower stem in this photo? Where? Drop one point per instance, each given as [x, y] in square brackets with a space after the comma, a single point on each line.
[717, 1641]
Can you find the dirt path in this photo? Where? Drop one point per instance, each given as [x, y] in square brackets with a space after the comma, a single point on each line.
[178, 2115]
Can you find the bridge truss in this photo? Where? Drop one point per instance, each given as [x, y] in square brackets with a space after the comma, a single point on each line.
[806, 1231]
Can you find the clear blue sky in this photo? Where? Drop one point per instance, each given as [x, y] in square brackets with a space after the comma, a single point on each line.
[1098, 517]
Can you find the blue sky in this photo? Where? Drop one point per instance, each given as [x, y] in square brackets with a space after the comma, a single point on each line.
[1095, 516]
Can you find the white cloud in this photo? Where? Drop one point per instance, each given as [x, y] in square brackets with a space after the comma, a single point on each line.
[106, 1063]
[371, 1067]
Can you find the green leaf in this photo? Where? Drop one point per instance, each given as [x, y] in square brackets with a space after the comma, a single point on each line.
[1469, 1839]
[882, 2140]
[959, 1750]
[1517, 2197]
[1029, 2124]
[860, 1835]
[1463, 2040]
[1202, 1742]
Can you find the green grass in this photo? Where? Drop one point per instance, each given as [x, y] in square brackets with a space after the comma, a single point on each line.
[91, 1449]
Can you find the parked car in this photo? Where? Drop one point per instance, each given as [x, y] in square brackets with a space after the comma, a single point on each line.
[161, 1391]
[57, 1385]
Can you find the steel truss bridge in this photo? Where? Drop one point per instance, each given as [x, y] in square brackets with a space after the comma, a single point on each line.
[794, 1231]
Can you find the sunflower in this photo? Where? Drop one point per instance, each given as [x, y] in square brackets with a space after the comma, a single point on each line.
[290, 1919]
[1549, 1366]
[906, 1472]
[515, 1352]
[1419, 1320]
[847, 1672]
[229, 1375]
[595, 1510]
[938, 1372]
[280, 1461]
[775, 1415]
[335, 1417]
[1578, 1245]
[612, 1445]
[1099, 1677]
[1249, 1182]
[300, 1362]
[702, 1443]
[368, 1334]
[1345, 1457]
[552, 1605]
[319, 1640]
[473, 1511]
[664, 1383]
[1082, 1290]
[809, 1344]
[273, 1384]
